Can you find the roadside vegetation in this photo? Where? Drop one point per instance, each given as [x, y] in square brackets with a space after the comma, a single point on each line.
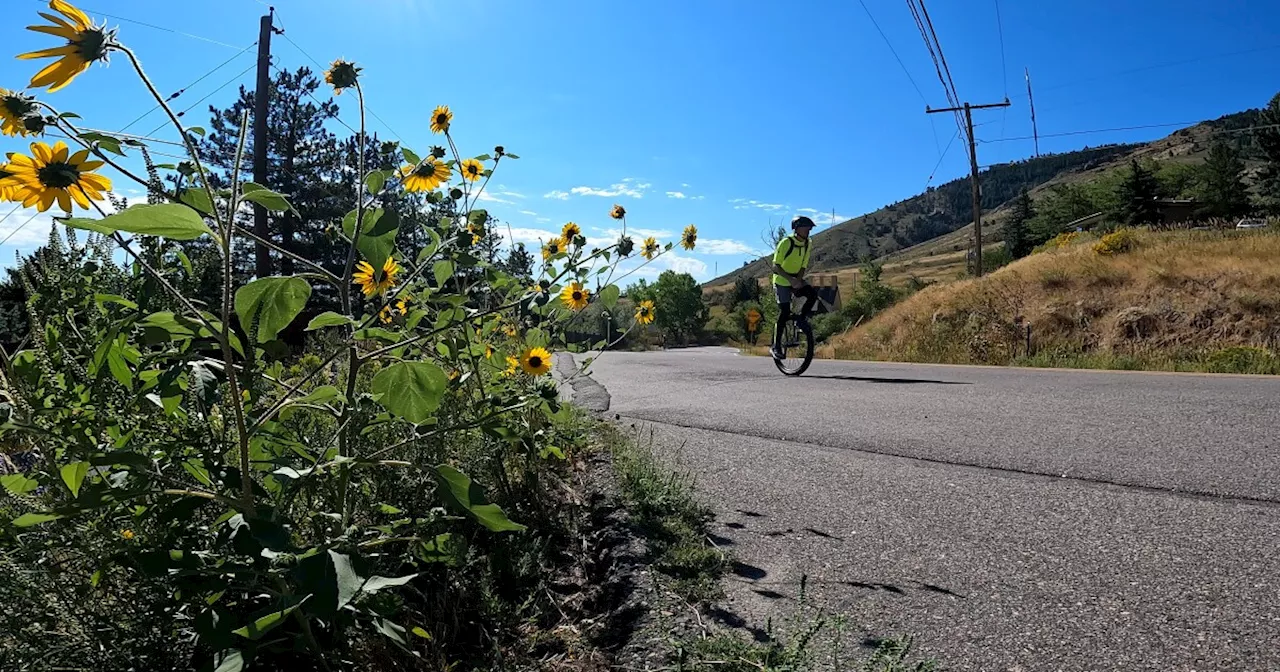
[335, 445]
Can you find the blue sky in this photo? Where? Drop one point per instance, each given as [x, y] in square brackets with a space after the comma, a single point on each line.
[716, 113]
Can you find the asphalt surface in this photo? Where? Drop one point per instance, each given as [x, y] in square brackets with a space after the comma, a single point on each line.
[1009, 519]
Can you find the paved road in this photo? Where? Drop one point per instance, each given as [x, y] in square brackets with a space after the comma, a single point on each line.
[1013, 519]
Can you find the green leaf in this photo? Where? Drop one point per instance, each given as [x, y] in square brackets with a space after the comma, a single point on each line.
[348, 581]
[509, 155]
[32, 519]
[377, 333]
[94, 225]
[198, 130]
[198, 199]
[609, 296]
[477, 217]
[393, 631]
[411, 390]
[260, 627]
[115, 298]
[375, 180]
[483, 157]
[73, 475]
[166, 322]
[459, 492]
[377, 237]
[272, 303]
[19, 484]
[445, 548]
[116, 363]
[328, 319]
[443, 270]
[256, 193]
[105, 142]
[230, 660]
[549, 451]
[410, 156]
[430, 248]
[198, 471]
[169, 220]
[186, 263]
[420, 632]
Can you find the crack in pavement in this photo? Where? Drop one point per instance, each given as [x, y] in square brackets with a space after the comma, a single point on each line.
[1005, 471]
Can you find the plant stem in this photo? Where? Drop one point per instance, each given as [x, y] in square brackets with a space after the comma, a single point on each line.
[353, 355]
[246, 479]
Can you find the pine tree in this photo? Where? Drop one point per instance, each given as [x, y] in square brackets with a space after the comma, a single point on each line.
[1137, 195]
[1225, 194]
[1269, 141]
[1017, 229]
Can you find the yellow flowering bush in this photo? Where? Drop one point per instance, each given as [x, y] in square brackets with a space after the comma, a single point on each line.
[1116, 242]
[296, 514]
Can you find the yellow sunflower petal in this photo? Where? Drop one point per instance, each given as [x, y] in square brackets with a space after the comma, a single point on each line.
[97, 181]
[48, 53]
[65, 32]
[87, 166]
[61, 152]
[46, 200]
[80, 197]
[64, 199]
[79, 158]
[71, 12]
[42, 152]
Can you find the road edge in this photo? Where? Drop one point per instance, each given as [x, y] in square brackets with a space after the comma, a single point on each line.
[577, 387]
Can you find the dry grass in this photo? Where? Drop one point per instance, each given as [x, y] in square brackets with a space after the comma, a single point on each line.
[1188, 300]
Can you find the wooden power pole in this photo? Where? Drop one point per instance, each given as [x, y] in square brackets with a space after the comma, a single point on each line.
[973, 166]
[1035, 132]
[261, 96]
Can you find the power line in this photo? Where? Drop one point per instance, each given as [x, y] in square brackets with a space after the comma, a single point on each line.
[930, 37]
[894, 52]
[940, 158]
[321, 66]
[183, 90]
[1158, 66]
[1138, 128]
[154, 26]
[20, 227]
[1004, 68]
[207, 96]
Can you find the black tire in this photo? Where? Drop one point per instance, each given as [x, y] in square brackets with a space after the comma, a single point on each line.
[797, 347]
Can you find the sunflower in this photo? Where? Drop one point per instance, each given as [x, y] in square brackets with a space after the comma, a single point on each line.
[472, 170]
[127, 535]
[54, 174]
[425, 176]
[618, 212]
[86, 43]
[367, 277]
[8, 187]
[552, 248]
[385, 315]
[644, 312]
[476, 233]
[626, 246]
[650, 249]
[575, 296]
[488, 351]
[570, 232]
[689, 238]
[342, 75]
[15, 109]
[536, 361]
[513, 366]
[440, 119]
[511, 330]
[403, 305]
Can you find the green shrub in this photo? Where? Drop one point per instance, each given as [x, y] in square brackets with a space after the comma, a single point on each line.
[1242, 359]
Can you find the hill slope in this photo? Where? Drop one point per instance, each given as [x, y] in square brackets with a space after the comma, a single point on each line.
[940, 220]
[1197, 300]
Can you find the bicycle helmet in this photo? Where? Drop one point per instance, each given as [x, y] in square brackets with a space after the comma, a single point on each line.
[801, 220]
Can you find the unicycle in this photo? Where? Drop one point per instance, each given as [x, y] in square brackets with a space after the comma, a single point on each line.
[797, 345]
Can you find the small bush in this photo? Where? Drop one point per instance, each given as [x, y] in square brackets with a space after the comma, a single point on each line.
[1117, 242]
[1243, 359]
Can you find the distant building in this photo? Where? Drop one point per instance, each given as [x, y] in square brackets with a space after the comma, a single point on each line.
[1176, 210]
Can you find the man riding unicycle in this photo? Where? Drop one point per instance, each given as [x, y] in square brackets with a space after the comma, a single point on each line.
[790, 262]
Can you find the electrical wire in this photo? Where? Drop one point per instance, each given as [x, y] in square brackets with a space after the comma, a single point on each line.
[183, 90]
[894, 52]
[207, 96]
[1137, 128]
[153, 26]
[321, 66]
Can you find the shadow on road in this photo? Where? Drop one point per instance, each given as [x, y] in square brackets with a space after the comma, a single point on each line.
[894, 381]
[748, 571]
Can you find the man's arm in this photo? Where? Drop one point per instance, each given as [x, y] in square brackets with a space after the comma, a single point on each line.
[795, 280]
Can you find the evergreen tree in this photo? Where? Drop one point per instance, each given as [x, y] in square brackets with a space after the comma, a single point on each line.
[1269, 142]
[1017, 229]
[1137, 195]
[1225, 194]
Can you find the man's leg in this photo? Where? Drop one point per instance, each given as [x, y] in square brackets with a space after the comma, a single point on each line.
[783, 293]
[810, 295]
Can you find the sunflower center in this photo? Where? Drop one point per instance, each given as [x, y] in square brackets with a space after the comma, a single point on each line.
[58, 175]
[577, 296]
[535, 362]
[441, 119]
[92, 44]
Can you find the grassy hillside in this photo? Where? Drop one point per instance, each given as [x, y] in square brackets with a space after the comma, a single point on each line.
[935, 227]
[1187, 300]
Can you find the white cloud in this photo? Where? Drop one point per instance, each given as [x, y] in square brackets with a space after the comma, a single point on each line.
[744, 204]
[725, 246]
[25, 229]
[824, 218]
[685, 185]
[557, 194]
[634, 232]
[489, 197]
[698, 198]
[530, 236]
[626, 187]
[543, 220]
[695, 267]
[808, 210]
[529, 213]
[675, 194]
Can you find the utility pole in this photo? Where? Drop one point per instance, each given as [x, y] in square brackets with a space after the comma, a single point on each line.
[973, 166]
[262, 256]
[1034, 133]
